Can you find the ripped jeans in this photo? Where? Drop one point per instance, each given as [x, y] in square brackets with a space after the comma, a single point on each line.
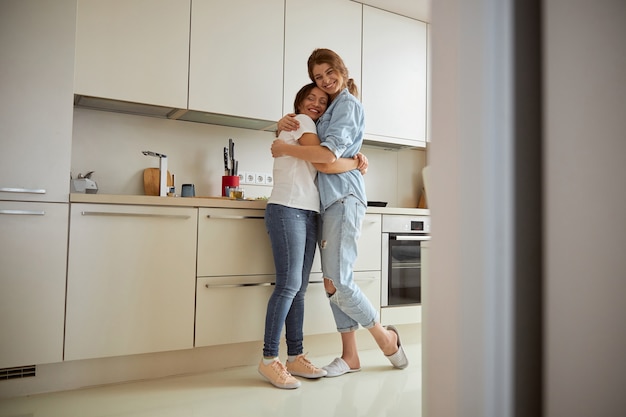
[340, 231]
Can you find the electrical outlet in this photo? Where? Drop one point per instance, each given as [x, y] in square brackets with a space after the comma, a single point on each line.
[269, 179]
[242, 178]
[259, 178]
[249, 178]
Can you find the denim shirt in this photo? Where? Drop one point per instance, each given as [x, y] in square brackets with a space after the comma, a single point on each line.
[340, 129]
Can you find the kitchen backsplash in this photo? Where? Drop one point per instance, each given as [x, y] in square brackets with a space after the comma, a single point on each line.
[111, 143]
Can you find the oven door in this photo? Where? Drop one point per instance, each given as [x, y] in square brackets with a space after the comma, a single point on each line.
[401, 264]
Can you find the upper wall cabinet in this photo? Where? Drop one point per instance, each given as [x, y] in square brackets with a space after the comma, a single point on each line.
[394, 78]
[133, 50]
[36, 85]
[236, 62]
[328, 24]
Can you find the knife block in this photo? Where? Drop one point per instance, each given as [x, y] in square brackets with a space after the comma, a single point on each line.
[229, 181]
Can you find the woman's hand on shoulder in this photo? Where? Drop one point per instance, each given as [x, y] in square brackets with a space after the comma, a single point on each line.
[288, 123]
[363, 163]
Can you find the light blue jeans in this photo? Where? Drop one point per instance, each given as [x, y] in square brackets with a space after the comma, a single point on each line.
[340, 231]
[293, 234]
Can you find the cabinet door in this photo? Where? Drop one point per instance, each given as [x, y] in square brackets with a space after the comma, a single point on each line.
[318, 317]
[36, 86]
[133, 50]
[239, 301]
[369, 246]
[328, 24]
[233, 242]
[236, 61]
[131, 280]
[246, 321]
[33, 237]
[394, 77]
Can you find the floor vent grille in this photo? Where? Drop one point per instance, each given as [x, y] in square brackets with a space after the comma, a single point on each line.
[18, 372]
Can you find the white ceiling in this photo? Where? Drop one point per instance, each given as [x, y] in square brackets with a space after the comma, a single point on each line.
[417, 9]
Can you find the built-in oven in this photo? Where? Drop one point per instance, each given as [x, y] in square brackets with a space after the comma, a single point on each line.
[401, 258]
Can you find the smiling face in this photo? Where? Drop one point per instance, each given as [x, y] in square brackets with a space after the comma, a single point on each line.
[328, 79]
[313, 103]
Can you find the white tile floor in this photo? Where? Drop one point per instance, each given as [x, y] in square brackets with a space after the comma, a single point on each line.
[377, 391]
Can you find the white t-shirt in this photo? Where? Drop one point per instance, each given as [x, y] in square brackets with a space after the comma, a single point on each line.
[294, 179]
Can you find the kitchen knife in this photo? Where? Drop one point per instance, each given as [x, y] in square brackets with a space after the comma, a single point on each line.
[231, 149]
[226, 171]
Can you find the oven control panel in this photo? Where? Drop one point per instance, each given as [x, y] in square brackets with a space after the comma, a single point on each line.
[398, 223]
[417, 226]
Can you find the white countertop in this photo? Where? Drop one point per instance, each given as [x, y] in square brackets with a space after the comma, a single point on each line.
[221, 202]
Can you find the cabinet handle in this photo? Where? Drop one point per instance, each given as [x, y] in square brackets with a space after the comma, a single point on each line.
[256, 284]
[235, 217]
[22, 190]
[412, 237]
[106, 213]
[366, 279]
[267, 284]
[26, 212]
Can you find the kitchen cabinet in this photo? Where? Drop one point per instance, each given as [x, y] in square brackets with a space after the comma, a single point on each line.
[231, 309]
[131, 280]
[233, 242]
[133, 50]
[394, 89]
[328, 24]
[36, 89]
[235, 262]
[244, 320]
[235, 276]
[33, 237]
[236, 58]
[401, 315]
[369, 246]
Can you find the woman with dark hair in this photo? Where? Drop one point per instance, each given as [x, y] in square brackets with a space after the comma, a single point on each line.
[343, 206]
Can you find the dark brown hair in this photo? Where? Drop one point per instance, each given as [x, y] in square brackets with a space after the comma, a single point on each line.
[301, 95]
[326, 56]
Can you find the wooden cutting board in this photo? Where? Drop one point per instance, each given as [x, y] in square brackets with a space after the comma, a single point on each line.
[151, 180]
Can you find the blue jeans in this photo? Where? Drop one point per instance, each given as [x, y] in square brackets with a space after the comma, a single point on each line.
[341, 228]
[293, 234]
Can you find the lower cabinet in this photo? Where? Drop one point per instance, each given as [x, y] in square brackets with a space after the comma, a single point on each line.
[369, 246]
[131, 280]
[401, 315]
[233, 242]
[231, 309]
[33, 237]
[236, 276]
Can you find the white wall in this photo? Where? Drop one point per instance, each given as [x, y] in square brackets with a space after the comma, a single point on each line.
[111, 143]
